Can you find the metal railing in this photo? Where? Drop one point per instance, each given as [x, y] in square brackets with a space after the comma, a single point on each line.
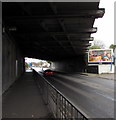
[59, 105]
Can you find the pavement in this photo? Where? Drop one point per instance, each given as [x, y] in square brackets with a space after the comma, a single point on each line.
[23, 100]
[109, 76]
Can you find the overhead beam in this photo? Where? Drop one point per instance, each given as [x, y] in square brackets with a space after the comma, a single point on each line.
[51, 42]
[79, 30]
[56, 33]
[81, 39]
[66, 46]
[24, 8]
[80, 13]
[45, 28]
[54, 9]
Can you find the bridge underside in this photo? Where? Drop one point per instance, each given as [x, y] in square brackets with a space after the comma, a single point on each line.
[51, 30]
[55, 31]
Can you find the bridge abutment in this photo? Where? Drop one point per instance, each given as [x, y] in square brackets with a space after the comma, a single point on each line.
[12, 62]
[70, 65]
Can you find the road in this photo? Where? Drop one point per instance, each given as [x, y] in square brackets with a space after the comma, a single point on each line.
[91, 95]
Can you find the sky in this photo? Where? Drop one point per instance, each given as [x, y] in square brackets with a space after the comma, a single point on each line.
[28, 60]
[105, 25]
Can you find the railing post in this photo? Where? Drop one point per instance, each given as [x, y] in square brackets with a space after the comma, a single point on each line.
[57, 104]
[63, 108]
[47, 94]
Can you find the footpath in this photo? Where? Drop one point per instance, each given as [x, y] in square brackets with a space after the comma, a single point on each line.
[23, 100]
[110, 76]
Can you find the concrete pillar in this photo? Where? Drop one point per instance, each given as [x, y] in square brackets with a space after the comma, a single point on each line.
[12, 60]
[114, 32]
[23, 66]
[70, 65]
[0, 60]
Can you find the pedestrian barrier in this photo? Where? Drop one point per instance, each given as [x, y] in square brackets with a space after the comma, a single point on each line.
[59, 105]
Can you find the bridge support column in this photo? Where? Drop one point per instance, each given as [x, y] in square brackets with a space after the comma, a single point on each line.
[0, 60]
[70, 65]
[12, 61]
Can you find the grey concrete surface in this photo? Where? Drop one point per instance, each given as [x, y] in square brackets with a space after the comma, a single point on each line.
[92, 95]
[23, 100]
[110, 76]
[0, 59]
[76, 64]
[12, 62]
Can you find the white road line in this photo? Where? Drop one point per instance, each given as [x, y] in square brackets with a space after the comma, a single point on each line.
[106, 96]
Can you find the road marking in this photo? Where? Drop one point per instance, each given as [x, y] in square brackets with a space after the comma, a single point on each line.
[106, 96]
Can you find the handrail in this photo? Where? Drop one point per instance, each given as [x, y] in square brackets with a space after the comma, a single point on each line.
[60, 105]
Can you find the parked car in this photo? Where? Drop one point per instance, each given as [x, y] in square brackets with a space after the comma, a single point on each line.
[48, 72]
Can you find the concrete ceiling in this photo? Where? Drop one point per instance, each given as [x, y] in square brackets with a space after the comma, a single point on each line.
[51, 31]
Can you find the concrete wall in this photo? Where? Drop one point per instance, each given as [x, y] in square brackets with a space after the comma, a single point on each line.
[12, 62]
[70, 65]
[0, 60]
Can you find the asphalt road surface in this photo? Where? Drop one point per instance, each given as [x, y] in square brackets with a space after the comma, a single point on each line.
[91, 95]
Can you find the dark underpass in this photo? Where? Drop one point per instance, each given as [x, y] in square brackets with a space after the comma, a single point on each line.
[59, 32]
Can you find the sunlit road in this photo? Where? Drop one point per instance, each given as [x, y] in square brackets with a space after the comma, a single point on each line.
[93, 96]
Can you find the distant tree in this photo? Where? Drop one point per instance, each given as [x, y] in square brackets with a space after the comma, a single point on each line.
[26, 65]
[97, 45]
[94, 47]
[112, 46]
[40, 63]
[49, 62]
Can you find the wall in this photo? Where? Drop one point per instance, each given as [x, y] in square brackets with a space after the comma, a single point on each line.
[10, 54]
[0, 60]
[70, 65]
